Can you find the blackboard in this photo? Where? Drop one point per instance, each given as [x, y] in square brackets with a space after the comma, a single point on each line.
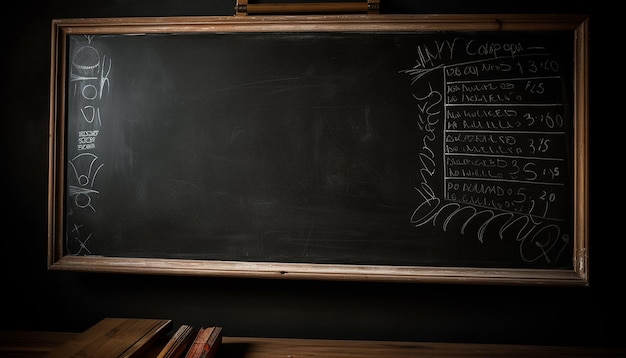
[336, 147]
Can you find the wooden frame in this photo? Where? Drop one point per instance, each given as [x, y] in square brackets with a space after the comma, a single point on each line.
[59, 260]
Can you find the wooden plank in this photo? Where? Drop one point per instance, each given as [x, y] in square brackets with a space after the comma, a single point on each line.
[314, 348]
[155, 329]
[37, 343]
[114, 337]
[22, 343]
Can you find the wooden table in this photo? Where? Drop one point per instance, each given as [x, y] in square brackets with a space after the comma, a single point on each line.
[21, 344]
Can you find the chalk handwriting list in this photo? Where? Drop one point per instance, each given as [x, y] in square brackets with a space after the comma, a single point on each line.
[500, 116]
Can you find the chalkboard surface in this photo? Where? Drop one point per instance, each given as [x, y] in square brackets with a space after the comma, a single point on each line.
[393, 148]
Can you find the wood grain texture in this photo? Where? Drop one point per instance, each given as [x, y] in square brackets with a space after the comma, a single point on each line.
[114, 337]
[311, 348]
[20, 343]
[37, 344]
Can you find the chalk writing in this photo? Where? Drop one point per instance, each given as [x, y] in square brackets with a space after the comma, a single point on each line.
[497, 108]
[90, 84]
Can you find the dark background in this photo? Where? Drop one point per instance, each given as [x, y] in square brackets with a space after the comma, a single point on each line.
[37, 299]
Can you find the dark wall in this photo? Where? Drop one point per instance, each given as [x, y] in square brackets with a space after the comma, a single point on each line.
[37, 299]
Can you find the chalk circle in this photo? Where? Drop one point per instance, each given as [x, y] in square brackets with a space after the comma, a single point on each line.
[86, 60]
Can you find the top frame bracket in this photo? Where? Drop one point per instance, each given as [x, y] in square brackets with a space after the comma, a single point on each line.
[244, 8]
